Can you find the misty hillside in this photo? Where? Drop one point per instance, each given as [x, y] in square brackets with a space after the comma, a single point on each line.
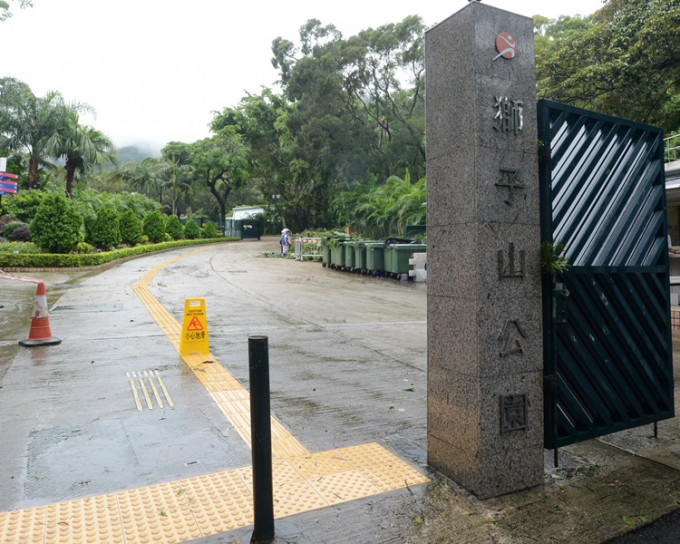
[135, 154]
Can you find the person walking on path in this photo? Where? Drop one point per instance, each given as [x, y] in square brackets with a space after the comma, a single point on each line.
[285, 241]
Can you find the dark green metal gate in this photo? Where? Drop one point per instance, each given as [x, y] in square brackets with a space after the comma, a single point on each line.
[608, 350]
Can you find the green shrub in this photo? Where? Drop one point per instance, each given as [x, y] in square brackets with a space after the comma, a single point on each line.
[104, 230]
[210, 231]
[130, 228]
[144, 239]
[192, 230]
[19, 248]
[173, 227]
[23, 259]
[24, 204]
[136, 202]
[154, 227]
[20, 234]
[55, 228]
[11, 227]
[84, 248]
[6, 219]
[87, 201]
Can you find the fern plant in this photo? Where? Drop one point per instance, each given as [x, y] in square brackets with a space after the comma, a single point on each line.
[553, 259]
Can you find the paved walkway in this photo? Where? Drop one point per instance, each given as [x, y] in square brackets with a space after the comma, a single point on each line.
[129, 442]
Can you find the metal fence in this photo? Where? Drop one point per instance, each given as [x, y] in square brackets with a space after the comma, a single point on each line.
[307, 248]
[672, 148]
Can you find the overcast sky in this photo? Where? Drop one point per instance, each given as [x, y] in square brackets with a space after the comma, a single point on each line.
[155, 70]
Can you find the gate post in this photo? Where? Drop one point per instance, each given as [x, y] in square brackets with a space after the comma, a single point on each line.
[485, 340]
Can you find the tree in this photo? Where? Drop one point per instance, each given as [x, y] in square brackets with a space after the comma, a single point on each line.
[147, 177]
[626, 64]
[260, 120]
[551, 34]
[56, 227]
[221, 162]
[108, 180]
[82, 146]
[5, 12]
[374, 82]
[29, 122]
[323, 140]
[382, 210]
[355, 113]
[175, 167]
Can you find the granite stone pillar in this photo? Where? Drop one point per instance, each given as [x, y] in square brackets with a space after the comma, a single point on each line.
[485, 347]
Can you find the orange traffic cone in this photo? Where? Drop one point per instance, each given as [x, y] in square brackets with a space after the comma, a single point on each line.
[40, 334]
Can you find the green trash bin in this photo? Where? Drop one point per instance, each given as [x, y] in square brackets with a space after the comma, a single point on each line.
[349, 254]
[375, 258]
[326, 253]
[397, 257]
[338, 255]
[387, 259]
[360, 256]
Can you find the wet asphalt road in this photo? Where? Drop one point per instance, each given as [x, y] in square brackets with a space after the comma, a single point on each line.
[347, 367]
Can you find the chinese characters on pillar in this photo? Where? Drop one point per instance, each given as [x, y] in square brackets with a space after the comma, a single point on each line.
[511, 270]
[509, 115]
[512, 181]
[514, 412]
[509, 119]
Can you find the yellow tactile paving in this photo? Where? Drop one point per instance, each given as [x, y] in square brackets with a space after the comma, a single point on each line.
[186, 509]
[135, 395]
[160, 392]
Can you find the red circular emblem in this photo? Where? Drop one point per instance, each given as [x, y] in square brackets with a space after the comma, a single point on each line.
[506, 45]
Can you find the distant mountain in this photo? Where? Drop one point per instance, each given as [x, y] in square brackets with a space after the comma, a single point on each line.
[135, 154]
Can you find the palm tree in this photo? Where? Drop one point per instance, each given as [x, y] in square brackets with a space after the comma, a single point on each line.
[174, 166]
[83, 147]
[107, 181]
[382, 210]
[29, 122]
[145, 178]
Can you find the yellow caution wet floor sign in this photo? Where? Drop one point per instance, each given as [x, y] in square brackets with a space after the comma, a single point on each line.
[194, 337]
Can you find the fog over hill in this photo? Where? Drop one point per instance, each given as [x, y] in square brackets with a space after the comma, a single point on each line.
[136, 153]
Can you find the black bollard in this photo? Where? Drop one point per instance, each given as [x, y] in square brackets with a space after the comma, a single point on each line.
[261, 439]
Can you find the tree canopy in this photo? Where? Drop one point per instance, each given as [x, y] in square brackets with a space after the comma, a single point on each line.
[5, 5]
[623, 60]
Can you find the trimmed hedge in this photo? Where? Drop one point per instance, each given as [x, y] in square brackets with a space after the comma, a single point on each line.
[70, 260]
